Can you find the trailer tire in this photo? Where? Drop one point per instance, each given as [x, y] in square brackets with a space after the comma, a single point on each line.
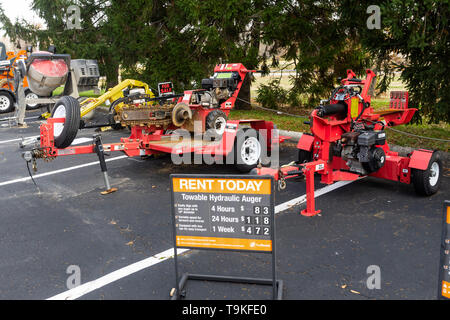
[64, 133]
[215, 123]
[426, 182]
[30, 94]
[6, 102]
[249, 148]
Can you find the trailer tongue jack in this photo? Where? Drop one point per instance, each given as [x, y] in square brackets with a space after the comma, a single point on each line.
[99, 150]
[96, 147]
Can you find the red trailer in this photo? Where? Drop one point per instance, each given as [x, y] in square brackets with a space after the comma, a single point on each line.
[156, 122]
[348, 141]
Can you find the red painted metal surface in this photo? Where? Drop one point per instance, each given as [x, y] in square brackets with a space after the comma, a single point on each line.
[305, 142]
[328, 130]
[420, 159]
[142, 142]
[51, 68]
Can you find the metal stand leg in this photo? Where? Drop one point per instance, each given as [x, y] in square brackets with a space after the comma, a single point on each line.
[310, 202]
[101, 157]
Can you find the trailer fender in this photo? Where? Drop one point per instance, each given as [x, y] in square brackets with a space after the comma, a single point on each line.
[305, 142]
[420, 159]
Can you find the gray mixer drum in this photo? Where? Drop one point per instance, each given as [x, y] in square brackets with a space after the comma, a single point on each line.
[45, 75]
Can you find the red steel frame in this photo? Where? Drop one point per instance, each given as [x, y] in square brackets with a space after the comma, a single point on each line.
[326, 131]
[143, 141]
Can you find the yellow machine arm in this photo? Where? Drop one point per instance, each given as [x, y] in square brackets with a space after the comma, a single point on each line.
[109, 96]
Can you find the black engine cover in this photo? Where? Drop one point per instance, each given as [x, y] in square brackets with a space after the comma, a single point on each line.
[372, 159]
[370, 138]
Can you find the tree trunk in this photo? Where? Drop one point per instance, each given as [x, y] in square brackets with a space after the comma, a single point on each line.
[112, 74]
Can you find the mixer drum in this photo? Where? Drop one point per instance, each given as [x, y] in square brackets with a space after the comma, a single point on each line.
[45, 75]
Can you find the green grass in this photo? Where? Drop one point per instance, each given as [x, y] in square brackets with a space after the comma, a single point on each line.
[90, 93]
[282, 121]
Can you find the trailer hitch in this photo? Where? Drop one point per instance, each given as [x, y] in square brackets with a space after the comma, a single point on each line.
[30, 157]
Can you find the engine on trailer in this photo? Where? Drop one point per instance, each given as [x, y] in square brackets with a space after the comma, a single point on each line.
[216, 89]
[360, 149]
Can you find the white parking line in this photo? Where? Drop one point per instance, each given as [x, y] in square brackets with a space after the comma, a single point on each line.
[17, 139]
[163, 256]
[50, 173]
[115, 275]
[75, 142]
[80, 141]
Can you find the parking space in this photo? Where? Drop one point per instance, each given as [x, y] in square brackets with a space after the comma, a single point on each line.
[66, 221]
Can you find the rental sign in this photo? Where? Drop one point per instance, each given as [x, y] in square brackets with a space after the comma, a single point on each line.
[223, 212]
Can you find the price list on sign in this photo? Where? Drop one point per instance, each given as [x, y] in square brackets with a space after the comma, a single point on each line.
[232, 213]
[444, 265]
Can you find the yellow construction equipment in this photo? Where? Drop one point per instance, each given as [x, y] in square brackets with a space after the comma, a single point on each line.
[89, 104]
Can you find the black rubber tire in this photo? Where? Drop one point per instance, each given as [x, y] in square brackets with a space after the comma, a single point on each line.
[210, 123]
[8, 96]
[421, 178]
[72, 123]
[37, 106]
[112, 113]
[304, 156]
[241, 136]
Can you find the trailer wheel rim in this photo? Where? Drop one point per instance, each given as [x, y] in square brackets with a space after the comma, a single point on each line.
[31, 95]
[4, 103]
[434, 173]
[60, 112]
[219, 125]
[250, 151]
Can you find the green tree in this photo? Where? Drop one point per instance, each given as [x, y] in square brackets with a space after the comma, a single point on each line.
[419, 32]
[181, 41]
[93, 41]
[310, 34]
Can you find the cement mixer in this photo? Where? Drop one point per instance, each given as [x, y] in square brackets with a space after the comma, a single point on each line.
[47, 71]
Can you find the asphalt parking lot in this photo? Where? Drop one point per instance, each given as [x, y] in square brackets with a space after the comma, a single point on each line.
[66, 221]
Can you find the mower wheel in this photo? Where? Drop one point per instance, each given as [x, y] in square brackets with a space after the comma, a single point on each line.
[304, 156]
[6, 102]
[215, 123]
[426, 182]
[112, 121]
[249, 148]
[31, 95]
[69, 108]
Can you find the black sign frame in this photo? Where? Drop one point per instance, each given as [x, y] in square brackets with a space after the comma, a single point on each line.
[165, 93]
[180, 283]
